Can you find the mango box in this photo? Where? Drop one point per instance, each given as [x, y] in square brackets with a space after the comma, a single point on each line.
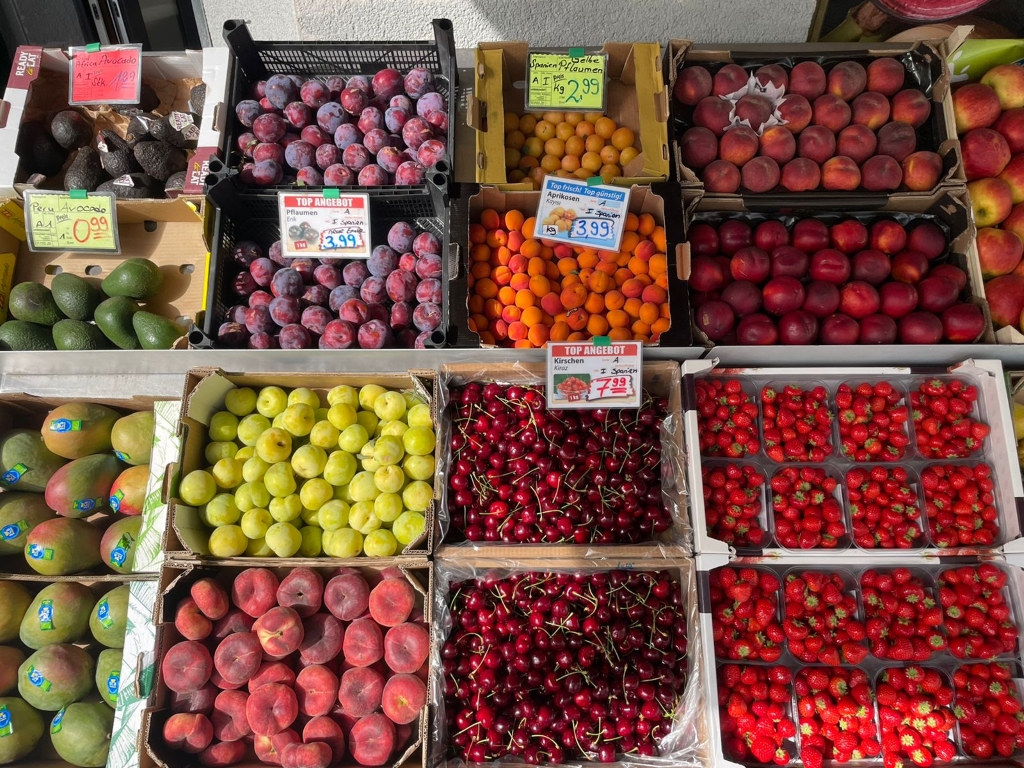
[37, 89]
[641, 200]
[177, 247]
[149, 553]
[925, 63]
[21, 411]
[176, 581]
[187, 536]
[636, 98]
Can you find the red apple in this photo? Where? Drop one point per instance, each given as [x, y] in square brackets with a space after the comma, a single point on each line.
[877, 329]
[1015, 221]
[920, 328]
[985, 153]
[991, 201]
[999, 251]
[888, 236]
[928, 238]
[1011, 126]
[1013, 175]
[715, 319]
[1007, 80]
[757, 330]
[703, 240]
[830, 266]
[963, 323]
[897, 299]
[733, 235]
[788, 261]
[858, 299]
[839, 329]
[909, 266]
[750, 263]
[936, 294]
[769, 235]
[782, 295]
[1005, 296]
[849, 236]
[821, 299]
[975, 105]
[798, 327]
[810, 235]
[871, 266]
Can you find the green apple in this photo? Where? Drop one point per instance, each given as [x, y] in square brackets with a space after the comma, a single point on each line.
[419, 441]
[223, 426]
[408, 527]
[369, 394]
[271, 401]
[369, 421]
[274, 445]
[389, 406]
[216, 451]
[245, 453]
[285, 509]
[251, 427]
[362, 518]
[343, 394]
[388, 449]
[419, 416]
[340, 468]
[258, 548]
[198, 487]
[240, 401]
[283, 539]
[304, 395]
[353, 438]
[393, 428]
[380, 543]
[251, 495]
[417, 496]
[388, 507]
[315, 493]
[419, 467]
[342, 416]
[346, 542]
[227, 541]
[312, 543]
[221, 510]
[299, 419]
[227, 473]
[324, 435]
[280, 479]
[333, 516]
[363, 488]
[254, 469]
[309, 461]
[389, 479]
[255, 523]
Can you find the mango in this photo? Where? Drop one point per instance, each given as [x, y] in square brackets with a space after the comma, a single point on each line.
[26, 464]
[81, 733]
[1018, 421]
[82, 487]
[55, 676]
[109, 619]
[76, 430]
[128, 493]
[108, 675]
[10, 660]
[21, 727]
[14, 602]
[132, 437]
[62, 546]
[19, 514]
[58, 614]
[117, 548]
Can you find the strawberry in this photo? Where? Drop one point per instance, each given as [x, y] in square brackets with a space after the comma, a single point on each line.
[872, 422]
[901, 609]
[744, 614]
[797, 424]
[960, 505]
[912, 718]
[982, 707]
[976, 620]
[727, 417]
[944, 422]
[756, 736]
[732, 504]
[832, 721]
[821, 619]
[806, 512]
[884, 508]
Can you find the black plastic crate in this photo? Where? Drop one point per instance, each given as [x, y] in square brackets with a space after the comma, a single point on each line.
[240, 215]
[253, 60]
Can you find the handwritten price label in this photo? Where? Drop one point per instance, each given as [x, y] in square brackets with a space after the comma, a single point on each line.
[561, 81]
[325, 225]
[579, 214]
[596, 374]
[63, 221]
[105, 75]
[335, 239]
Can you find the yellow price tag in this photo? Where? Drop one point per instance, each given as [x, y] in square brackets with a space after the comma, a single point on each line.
[559, 81]
[71, 221]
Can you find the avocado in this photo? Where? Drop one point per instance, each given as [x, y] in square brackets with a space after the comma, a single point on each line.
[175, 184]
[159, 159]
[34, 303]
[162, 130]
[78, 334]
[197, 99]
[71, 129]
[38, 151]
[119, 162]
[135, 278]
[154, 331]
[132, 186]
[19, 336]
[75, 296]
[139, 126]
[114, 319]
[108, 141]
[86, 171]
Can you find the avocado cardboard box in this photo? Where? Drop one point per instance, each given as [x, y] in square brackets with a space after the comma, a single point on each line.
[21, 411]
[409, 745]
[636, 99]
[176, 247]
[38, 88]
[188, 536]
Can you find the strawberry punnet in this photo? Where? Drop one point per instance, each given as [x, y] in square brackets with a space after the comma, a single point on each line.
[806, 512]
[915, 717]
[943, 425]
[745, 614]
[836, 715]
[988, 708]
[797, 423]
[883, 508]
[977, 615]
[727, 417]
[872, 422]
[754, 711]
[732, 504]
[960, 504]
[821, 620]
[903, 620]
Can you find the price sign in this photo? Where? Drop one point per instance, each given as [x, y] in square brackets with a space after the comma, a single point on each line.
[580, 214]
[561, 81]
[325, 225]
[109, 74]
[597, 374]
[71, 221]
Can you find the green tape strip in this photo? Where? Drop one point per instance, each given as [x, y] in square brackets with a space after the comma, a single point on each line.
[602, 341]
[77, 194]
[92, 48]
[595, 181]
[332, 193]
[576, 53]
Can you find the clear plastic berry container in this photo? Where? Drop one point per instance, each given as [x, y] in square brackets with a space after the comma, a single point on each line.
[850, 587]
[749, 388]
[937, 537]
[838, 438]
[842, 542]
[913, 481]
[1011, 598]
[716, 524]
[805, 387]
[977, 413]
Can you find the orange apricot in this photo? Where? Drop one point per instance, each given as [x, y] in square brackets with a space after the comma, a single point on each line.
[609, 155]
[605, 127]
[666, 311]
[577, 319]
[597, 325]
[567, 265]
[525, 299]
[554, 117]
[555, 147]
[622, 274]
[594, 303]
[526, 123]
[606, 267]
[518, 330]
[528, 162]
[594, 144]
[480, 252]
[629, 241]
[523, 344]
[480, 270]
[649, 312]
[531, 249]
[544, 130]
[477, 233]
[532, 316]
[632, 222]
[527, 228]
[486, 287]
[518, 263]
[620, 334]
[644, 279]
[658, 265]
[614, 300]
[550, 163]
[540, 285]
[622, 138]
[647, 224]
[577, 336]
[535, 266]
[570, 163]
[600, 282]
[500, 329]
[617, 318]
[628, 155]
[559, 331]
[497, 237]
[480, 321]
[573, 296]
[641, 328]
[514, 220]
[609, 171]
[587, 259]
[632, 307]
[644, 250]
[490, 219]
[551, 304]
[660, 325]
[487, 338]
[662, 281]
[575, 146]
[551, 271]
[492, 308]
[637, 266]
[538, 335]
[565, 131]
[507, 295]
[520, 281]
[511, 314]
[582, 174]
[584, 128]
[654, 294]
[476, 304]
[658, 237]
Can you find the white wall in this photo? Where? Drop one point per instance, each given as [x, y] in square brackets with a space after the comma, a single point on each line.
[542, 23]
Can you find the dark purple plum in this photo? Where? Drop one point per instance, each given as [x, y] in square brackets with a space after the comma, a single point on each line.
[268, 108]
[400, 236]
[340, 295]
[244, 284]
[362, 82]
[401, 315]
[316, 294]
[372, 176]
[260, 299]
[418, 82]
[429, 265]
[336, 84]
[389, 158]
[300, 154]
[276, 256]
[426, 242]
[281, 90]
[259, 89]
[263, 271]
[294, 336]
[373, 290]
[406, 338]
[430, 102]
[328, 275]
[354, 311]
[338, 175]
[331, 116]
[313, 134]
[401, 285]
[246, 252]
[258, 320]
[377, 312]
[395, 119]
[269, 128]
[306, 268]
[420, 342]
[247, 111]
[265, 151]
[374, 334]
[309, 177]
[407, 262]
[376, 139]
[236, 314]
[262, 341]
[285, 310]
[356, 157]
[246, 143]
[327, 155]
[382, 262]
[232, 335]
[403, 103]
[316, 319]
[355, 272]
[287, 282]
[427, 316]
[339, 334]
[314, 94]
[346, 135]
[267, 173]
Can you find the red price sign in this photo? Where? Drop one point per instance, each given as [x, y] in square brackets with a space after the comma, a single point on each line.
[108, 75]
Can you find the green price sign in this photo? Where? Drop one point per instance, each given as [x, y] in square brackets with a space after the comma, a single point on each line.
[561, 81]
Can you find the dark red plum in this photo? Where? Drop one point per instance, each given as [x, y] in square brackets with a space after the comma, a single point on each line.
[429, 265]
[306, 268]
[401, 315]
[354, 100]
[395, 119]
[757, 330]
[703, 239]
[789, 261]
[418, 82]
[315, 319]
[927, 238]
[298, 114]
[355, 272]
[269, 128]
[294, 336]
[300, 154]
[407, 262]
[428, 290]
[877, 329]
[377, 311]
[403, 103]
[259, 89]
[287, 282]
[706, 274]
[376, 139]
[356, 157]
[262, 152]
[743, 296]
[313, 134]
[426, 242]
[963, 323]
[316, 295]
[871, 266]
[338, 175]
[285, 310]
[263, 271]
[236, 314]
[260, 299]
[389, 158]
[267, 173]
[268, 108]
[354, 311]
[410, 173]
[247, 111]
[362, 82]
[950, 272]
[338, 334]
[387, 83]
[232, 335]
[328, 275]
[372, 176]
[244, 284]
[769, 235]
[346, 135]
[821, 299]
[810, 235]
[427, 316]
[897, 299]
[258, 320]
[340, 295]
[438, 121]
[420, 342]
[431, 152]
[327, 155]
[428, 102]
[246, 252]
[715, 319]
[276, 256]
[373, 290]
[401, 236]
[246, 143]
[370, 118]
[314, 94]
[382, 262]
[374, 334]
[798, 327]
[331, 116]
[733, 235]
[309, 177]
[416, 131]
[263, 341]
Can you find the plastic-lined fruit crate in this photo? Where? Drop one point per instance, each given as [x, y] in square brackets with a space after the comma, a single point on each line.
[254, 218]
[253, 61]
[793, 517]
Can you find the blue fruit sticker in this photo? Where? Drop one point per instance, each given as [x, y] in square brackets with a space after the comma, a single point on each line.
[14, 530]
[55, 726]
[119, 554]
[46, 615]
[115, 500]
[113, 684]
[103, 614]
[123, 456]
[13, 475]
[65, 425]
[36, 678]
[6, 726]
[86, 505]
[37, 552]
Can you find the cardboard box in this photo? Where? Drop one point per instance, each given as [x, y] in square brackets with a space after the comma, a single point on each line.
[661, 379]
[175, 584]
[177, 247]
[637, 99]
[925, 63]
[187, 536]
[149, 553]
[38, 88]
[950, 209]
[641, 200]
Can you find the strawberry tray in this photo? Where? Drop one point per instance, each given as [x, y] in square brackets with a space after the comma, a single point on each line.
[872, 462]
[869, 672]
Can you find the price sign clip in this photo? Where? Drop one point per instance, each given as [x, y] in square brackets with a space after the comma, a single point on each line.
[71, 221]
